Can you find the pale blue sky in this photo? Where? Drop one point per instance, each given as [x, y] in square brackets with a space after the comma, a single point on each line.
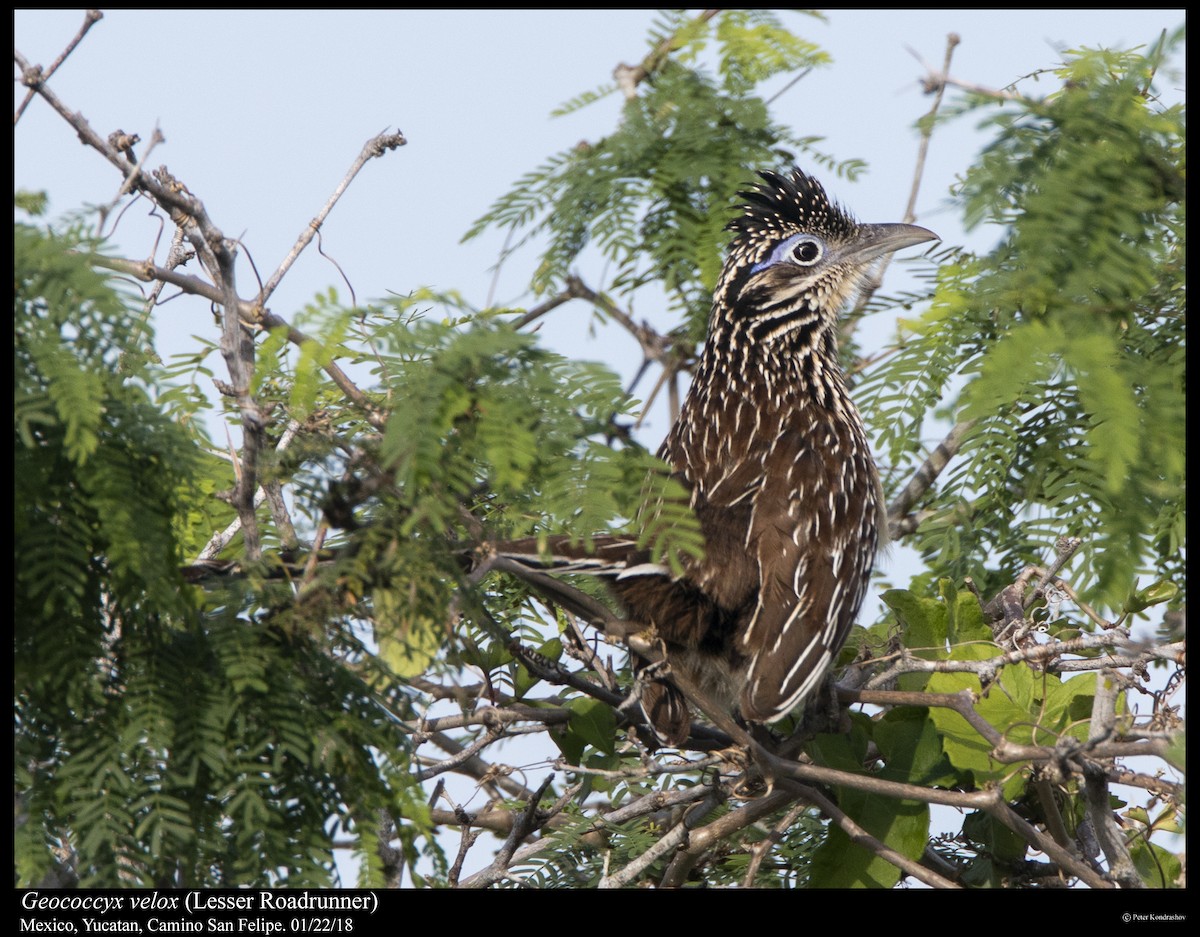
[264, 111]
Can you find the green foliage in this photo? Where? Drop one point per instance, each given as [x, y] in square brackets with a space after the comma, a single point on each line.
[900, 825]
[654, 196]
[222, 733]
[164, 735]
[492, 422]
[1065, 343]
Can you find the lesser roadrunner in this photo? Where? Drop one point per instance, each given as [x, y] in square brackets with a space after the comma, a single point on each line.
[776, 459]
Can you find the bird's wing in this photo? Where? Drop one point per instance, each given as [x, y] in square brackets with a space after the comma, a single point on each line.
[811, 577]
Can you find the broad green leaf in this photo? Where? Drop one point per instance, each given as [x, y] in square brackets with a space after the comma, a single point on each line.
[594, 722]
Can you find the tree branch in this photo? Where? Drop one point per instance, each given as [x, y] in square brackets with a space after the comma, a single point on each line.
[629, 77]
[376, 147]
[926, 123]
[924, 477]
[1095, 784]
[864, 839]
[90, 19]
[674, 838]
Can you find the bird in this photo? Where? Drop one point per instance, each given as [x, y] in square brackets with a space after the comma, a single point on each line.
[778, 467]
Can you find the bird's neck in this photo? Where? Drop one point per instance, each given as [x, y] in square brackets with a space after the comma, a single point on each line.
[778, 369]
[747, 394]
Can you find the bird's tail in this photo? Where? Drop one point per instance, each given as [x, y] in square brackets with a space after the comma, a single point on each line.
[618, 560]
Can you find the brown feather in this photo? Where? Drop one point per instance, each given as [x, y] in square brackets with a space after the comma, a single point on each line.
[776, 459]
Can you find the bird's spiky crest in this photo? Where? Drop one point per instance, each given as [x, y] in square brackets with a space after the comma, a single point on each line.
[781, 205]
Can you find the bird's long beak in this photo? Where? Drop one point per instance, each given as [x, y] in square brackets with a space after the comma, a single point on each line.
[874, 240]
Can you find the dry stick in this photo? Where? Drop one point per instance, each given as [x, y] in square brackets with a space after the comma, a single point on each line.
[494, 821]
[288, 541]
[147, 271]
[656, 805]
[1066, 860]
[505, 250]
[176, 256]
[937, 460]
[217, 256]
[1064, 549]
[250, 312]
[441, 767]
[479, 769]
[876, 278]
[127, 186]
[171, 196]
[89, 20]
[538, 311]
[674, 838]
[1103, 724]
[1157, 786]
[668, 372]
[722, 828]
[1003, 750]
[654, 346]
[1054, 821]
[652, 769]
[1044, 654]
[468, 840]
[952, 40]
[220, 540]
[237, 348]
[864, 839]
[941, 456]
[527, 822]
[972, 800]
[377, 146]
[788, 87]
[583, 651]
[371, 412]
[763, 849]
[489, 716]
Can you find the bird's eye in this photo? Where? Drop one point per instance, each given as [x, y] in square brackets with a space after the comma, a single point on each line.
[802, 250]
[807, 251]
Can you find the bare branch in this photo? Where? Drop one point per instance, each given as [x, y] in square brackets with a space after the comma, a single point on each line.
[220, 540]
[760, 852]
[654, 346]
[925, 476]
[374, 415]
[540, 310]
[527, 822]
[1067, 860]
[629, 77]
[480, 770]
[375, 147]
[858, 835]
[875, 279]
[1103, 725]
[1064, 549]
[1043, 654]
[90, 19]
[675, 838]
[463, 756]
